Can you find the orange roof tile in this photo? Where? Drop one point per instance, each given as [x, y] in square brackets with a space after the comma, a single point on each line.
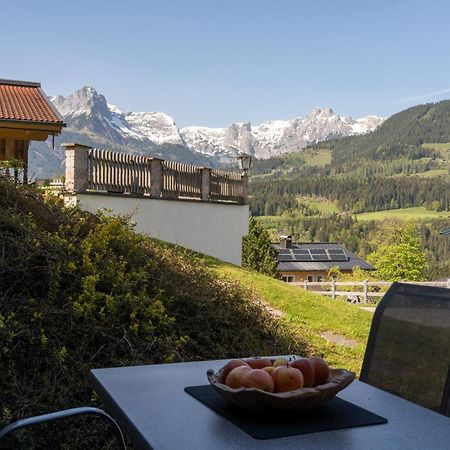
[26, 101]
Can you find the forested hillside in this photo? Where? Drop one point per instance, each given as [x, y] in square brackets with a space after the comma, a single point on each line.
[316, 194]
[401, 135]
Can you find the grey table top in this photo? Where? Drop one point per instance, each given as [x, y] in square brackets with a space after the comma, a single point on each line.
[152, 407]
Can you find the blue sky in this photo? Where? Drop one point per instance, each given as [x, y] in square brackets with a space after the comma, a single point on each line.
[213, 62]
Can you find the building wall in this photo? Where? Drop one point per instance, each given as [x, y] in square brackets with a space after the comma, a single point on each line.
[215, 229]
[298, 277]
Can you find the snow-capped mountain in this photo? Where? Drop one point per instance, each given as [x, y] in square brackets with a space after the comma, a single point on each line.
[91, 120]
[275, 137]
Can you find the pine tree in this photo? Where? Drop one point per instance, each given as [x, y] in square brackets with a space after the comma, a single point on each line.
[257, 252]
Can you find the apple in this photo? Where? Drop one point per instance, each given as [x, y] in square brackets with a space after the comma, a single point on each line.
[280, 362]
[321, 370]
[258, 363]
[230, 365]
[234, 378]
[269, 369]
[287, 379]
[306, 368]
[258, 379]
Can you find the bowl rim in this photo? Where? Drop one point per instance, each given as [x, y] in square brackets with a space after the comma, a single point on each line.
[340, 379]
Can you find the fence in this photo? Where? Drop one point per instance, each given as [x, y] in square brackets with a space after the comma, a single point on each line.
[89, 169]
[366, 285]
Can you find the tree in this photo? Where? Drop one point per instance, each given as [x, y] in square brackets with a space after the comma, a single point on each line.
[398, 252]
[257, 252]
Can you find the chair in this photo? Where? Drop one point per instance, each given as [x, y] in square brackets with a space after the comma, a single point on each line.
[59, 415]
[408, 351]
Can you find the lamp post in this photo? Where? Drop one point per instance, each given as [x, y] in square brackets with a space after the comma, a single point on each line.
[245, 162]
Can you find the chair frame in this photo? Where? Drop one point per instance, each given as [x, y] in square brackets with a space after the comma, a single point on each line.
[376, 323]
[60, 415]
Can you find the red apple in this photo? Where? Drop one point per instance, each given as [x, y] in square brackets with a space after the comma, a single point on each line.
[321, 370]
[306, 368]
[234, 378]
[287, 379]
[258, 363]
[258, 379]
[230, 365]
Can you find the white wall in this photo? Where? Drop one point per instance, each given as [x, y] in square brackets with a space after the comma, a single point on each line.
[211, 228]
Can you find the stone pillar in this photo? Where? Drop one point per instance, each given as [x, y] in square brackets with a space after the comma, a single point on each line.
[156, 177]
[244, 180]
[77, 176]
[206, 184]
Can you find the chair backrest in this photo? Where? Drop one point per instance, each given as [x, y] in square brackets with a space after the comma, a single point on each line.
[408, 351]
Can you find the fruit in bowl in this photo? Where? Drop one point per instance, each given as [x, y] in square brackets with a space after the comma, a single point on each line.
[292, 383]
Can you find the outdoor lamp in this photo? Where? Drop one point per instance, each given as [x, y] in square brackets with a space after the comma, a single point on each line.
[245, 162]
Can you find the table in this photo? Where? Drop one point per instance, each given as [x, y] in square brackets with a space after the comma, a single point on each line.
[150, 404]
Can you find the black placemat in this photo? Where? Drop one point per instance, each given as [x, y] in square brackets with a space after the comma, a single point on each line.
[335, 414]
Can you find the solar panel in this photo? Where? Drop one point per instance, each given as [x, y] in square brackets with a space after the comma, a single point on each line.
[284, 252]
[337, 254]
[301, 252]
[303, 257]
[336, 251]
[285, 258]
[320, 257]
[317, 251]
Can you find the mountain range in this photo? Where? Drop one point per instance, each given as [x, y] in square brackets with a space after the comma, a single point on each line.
[91, 120]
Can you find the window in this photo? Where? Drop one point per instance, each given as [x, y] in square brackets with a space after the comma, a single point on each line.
[310, 278]
[288, 278]
[319, 277]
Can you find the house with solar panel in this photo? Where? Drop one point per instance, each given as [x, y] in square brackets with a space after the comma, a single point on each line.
[311, 261]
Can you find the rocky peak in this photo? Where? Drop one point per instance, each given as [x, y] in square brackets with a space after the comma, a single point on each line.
[84, 101]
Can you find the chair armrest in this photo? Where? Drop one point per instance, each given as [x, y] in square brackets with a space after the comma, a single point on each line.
[64, 414]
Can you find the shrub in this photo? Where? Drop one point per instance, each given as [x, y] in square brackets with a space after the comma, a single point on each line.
[80, 291]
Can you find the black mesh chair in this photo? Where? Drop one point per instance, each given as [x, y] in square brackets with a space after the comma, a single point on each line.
[408, 351]
[60, 415]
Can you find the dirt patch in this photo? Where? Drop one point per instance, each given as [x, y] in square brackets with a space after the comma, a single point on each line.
[368, 308]
[339, 339]
[275, 312]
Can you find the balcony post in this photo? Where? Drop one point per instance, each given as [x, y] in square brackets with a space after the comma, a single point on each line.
[77, 176]
[206, 184]
[244, 180]
[156, 177]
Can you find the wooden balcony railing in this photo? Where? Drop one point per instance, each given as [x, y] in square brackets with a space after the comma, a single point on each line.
[93, 170]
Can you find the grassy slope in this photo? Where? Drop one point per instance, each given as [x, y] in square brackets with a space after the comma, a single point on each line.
[323, 205]
[317, 157]
[404, 213]
[309, 315]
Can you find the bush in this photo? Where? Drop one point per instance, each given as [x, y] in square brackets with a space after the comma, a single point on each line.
[80, 291]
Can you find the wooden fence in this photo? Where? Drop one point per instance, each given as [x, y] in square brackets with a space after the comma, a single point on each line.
[90, 169]
[118, 172]
[225, 185]
[369, 288]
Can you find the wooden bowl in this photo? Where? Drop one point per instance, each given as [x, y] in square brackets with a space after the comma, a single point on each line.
[298, 400]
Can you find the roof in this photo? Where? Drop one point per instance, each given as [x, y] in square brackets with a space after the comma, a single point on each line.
[26, 101]
[339, 256]
[446, 232]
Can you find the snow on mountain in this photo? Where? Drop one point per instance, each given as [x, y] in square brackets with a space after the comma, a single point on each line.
[275, 137]
[155, 126]
[365, 124]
